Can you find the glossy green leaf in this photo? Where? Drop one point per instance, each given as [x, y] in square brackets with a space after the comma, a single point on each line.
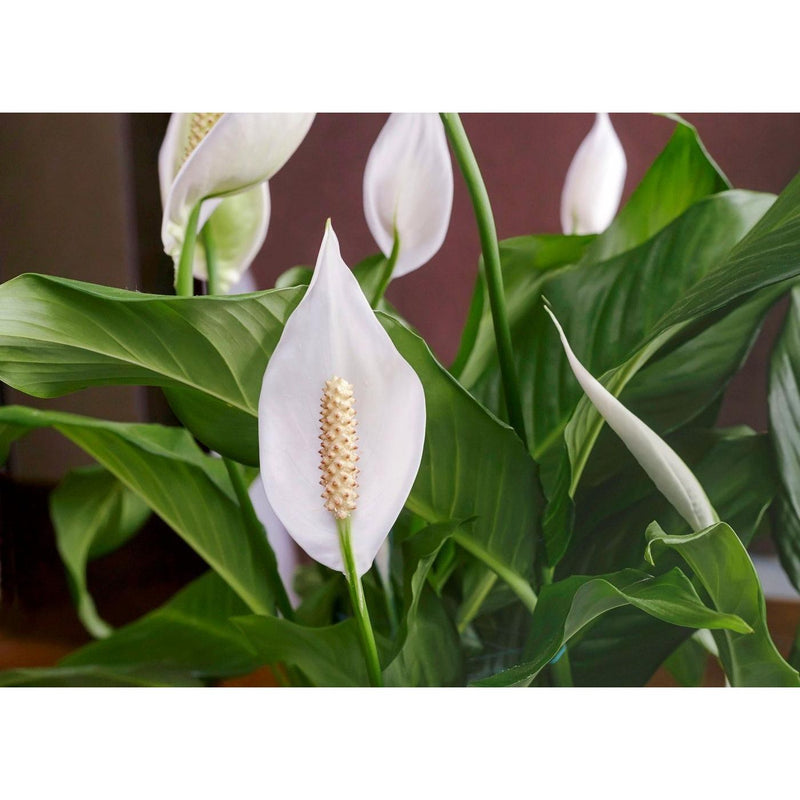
[58, 336]
[329, 656]
[93, 514]
[568, 606]
[721, 564]
[429, 651]
[189, 490]
[191, 634]
[784, 417]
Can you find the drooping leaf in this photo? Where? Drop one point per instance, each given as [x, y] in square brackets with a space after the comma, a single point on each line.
[189, 490]
[93, 514]
[719, 560]
[188, 634]
[568, 606]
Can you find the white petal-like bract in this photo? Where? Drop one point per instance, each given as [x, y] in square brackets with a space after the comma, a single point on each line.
[595, 180]
[281, 543]
[334, 332]
[664, 466]
[408, 185]
[237, 154]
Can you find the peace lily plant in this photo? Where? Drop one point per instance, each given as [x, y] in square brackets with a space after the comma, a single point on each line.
[370, 516]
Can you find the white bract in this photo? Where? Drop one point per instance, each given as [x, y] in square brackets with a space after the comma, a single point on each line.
[664, 466]
[595, 180]
[281, 543]
[223, 161]
[334, 352]
[408, 187]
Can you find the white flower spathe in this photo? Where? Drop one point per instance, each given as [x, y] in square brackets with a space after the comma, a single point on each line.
[664, 466]
[333, 332]
[224, 161]
[595, 180]
[278, 537]
[408, 187]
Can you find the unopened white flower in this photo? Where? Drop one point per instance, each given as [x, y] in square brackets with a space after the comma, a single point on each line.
[408, 188]
[595, 180]
[664, 466]
[341, 420]
[223, 161]
[281, 543]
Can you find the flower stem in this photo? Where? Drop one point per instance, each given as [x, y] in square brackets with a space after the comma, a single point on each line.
[210, 247]
[491, 260]
[184, 278]
[359, 604]
[259, 535]
[388, 269]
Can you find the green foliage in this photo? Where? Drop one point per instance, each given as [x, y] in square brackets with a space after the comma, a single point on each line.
[93, 514]
[566, 607]
[189, 490]
[721, 564]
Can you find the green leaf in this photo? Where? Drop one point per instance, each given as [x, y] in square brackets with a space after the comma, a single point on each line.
[688, 663]
[720, 562]
[95, 676]
[329, 656]
[784, 417]
[568, 606]
[472, 466]
[189, 490]
[429, 652]
[93, 514]
[191, 634]
[58, 336]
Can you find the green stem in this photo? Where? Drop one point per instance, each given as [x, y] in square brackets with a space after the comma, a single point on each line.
[359, 604]
[391, 610]
[473, 604]
[210, 247]
[184, 278]
[259, 535]
[520, 587]
[388, 269]
[491, 260]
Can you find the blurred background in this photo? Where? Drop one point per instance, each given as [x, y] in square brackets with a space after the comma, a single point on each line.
[79, 198]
